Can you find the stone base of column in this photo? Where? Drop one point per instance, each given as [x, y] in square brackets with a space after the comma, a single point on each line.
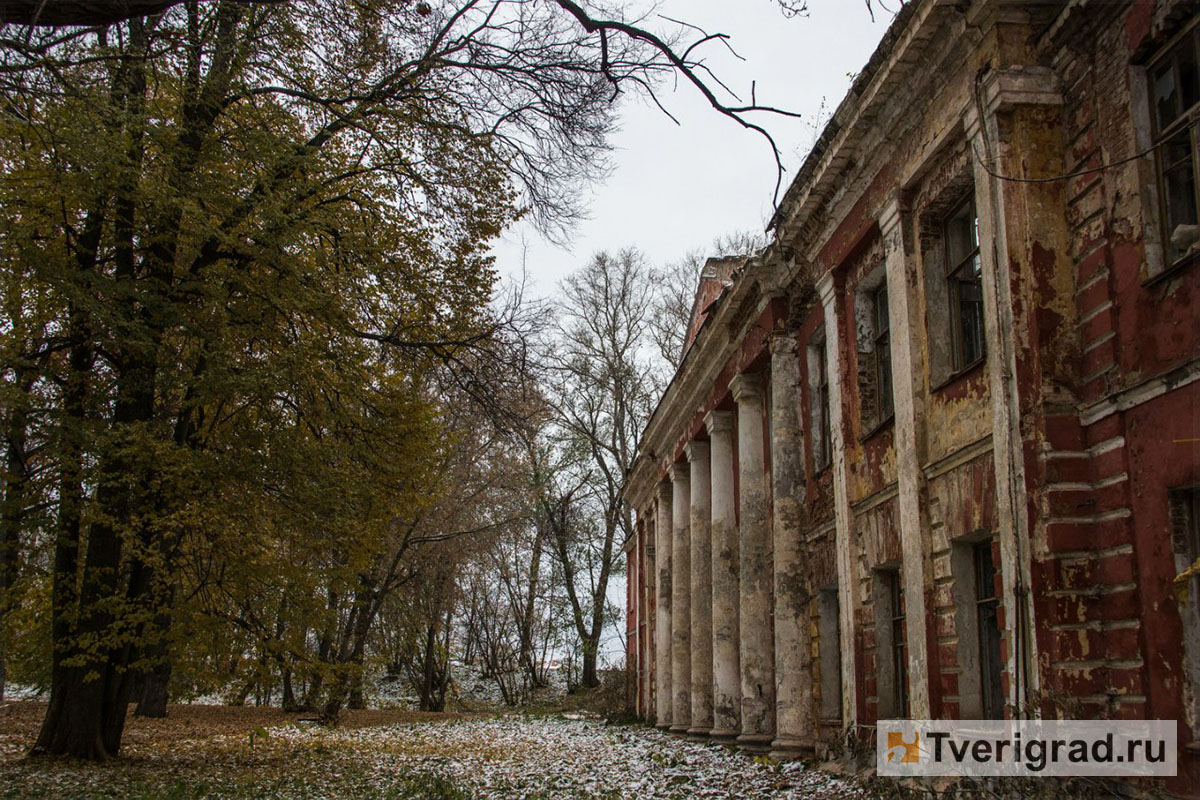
[681, 730]
[725, 736]
[791, 749]
[663, 726]
[755, 742]
[699, 734]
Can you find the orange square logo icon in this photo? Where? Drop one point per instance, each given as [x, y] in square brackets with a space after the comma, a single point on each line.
[901, 751]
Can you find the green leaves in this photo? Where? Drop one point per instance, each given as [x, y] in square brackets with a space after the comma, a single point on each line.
[252, 263]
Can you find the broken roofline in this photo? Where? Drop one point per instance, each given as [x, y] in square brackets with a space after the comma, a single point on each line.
[813, 172]
[646, 467]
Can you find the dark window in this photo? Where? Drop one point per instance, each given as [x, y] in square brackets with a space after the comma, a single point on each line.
[899, 654]
[965, 284]
[823, 446]
[1184, 509]
[829, 644]
[988, 628]
[883, 354]
[1175, 92]
[1192, 540]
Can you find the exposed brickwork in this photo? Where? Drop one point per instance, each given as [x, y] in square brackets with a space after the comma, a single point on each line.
[1062, 452]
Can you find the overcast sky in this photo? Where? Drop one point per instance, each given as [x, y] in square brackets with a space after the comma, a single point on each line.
[676, 187]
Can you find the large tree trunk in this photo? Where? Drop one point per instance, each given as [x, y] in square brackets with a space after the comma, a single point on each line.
[13, 503]
[152, 691]
[155, 694]
[89, 698]
[64, 598]
[90, 720]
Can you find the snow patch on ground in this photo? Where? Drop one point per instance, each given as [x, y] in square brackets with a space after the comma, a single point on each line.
[515, 757]
[509, 757]
[470, 689]
[17, 691]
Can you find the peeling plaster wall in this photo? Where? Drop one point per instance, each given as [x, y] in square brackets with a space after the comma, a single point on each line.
[1065, 447]
[871, 451]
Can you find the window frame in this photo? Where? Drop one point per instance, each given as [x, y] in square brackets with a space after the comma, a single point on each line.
[820, 412]
[899, 654]
[1184, 123]
[1184, 520]
[987, 630]
[882, 342]
[829, 643]
[953, 268]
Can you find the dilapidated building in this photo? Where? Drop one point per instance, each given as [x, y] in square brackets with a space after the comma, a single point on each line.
[935, 451]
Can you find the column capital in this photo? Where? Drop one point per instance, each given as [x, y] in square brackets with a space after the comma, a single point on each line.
[891, 215]
[746, 386]
[972, 124]
[718, 421]
[782, 343]
[772, 275]
[696, 449]
[664, 491]
[825, 287]
[680, 473]
[1004, 89]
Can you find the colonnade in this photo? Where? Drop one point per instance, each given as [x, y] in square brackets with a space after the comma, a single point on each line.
[731, 637]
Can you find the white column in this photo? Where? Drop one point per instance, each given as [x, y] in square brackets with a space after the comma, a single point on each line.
[702, 642]
[793, 678]
[681, 602]
[908, 391]
[648, 582]
[841, 503]
[633, 597]
[757, 650]
[662, 604]
[727, 681]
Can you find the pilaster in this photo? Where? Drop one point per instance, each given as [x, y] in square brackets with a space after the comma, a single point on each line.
[841, 503]
[1012, 364]
[908, 392]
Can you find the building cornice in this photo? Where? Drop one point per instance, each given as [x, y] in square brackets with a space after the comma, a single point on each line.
[900, 51]
[716, 343]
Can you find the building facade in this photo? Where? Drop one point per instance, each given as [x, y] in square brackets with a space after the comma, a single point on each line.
[935, 451]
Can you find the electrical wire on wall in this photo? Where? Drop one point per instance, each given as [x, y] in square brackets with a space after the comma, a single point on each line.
[991, 159]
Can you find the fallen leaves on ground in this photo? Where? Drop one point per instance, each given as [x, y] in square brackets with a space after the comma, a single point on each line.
[258, 753]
